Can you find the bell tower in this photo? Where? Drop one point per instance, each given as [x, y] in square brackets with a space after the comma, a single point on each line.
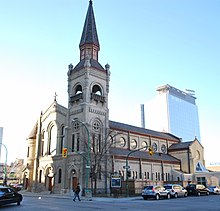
[88, 85]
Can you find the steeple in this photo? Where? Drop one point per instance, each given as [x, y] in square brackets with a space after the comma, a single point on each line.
[89, 44]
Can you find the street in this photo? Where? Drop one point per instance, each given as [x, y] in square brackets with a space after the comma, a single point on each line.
[35, 203]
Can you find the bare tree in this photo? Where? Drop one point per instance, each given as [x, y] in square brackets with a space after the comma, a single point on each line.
[99, 156]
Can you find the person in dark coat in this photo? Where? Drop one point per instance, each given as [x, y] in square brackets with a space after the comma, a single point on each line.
[76, 192]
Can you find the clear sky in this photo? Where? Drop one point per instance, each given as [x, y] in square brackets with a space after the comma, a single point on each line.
[146, 42]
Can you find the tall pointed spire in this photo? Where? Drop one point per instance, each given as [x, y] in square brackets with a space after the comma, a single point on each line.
[89, 43]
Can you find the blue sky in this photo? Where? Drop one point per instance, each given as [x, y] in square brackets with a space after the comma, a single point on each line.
[146, 42]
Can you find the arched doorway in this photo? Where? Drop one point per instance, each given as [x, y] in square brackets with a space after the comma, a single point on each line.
[25, 180]
[50, 176]
[74, 179]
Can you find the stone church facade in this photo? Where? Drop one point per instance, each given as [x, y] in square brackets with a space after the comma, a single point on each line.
[98, 148]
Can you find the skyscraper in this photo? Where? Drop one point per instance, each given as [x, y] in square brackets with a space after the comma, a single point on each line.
[174, 111]
[1, 135]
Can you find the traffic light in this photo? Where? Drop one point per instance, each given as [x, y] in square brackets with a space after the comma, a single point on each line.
[150, 151]
[128, 173]
[64, 153]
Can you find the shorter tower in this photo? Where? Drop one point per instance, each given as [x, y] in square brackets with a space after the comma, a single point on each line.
[174, 111]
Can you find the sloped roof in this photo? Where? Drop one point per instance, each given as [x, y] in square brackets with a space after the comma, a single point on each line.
[33, 132]
[93, 63]
[89, 35]
[140, 130]
[144, 155]
[180, 146]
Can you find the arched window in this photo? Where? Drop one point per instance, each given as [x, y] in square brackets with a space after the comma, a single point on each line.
[76, 94]
[59, 175]
[40, 176]
[42, 143]
[96, 90]
[96, 136]
[75, 136]
[78, 89]
[53, 140]
[97, 94]
[62, 137]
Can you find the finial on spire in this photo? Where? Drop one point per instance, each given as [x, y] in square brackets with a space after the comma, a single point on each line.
[55, 97]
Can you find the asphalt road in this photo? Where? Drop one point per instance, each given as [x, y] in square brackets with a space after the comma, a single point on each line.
[34, 203]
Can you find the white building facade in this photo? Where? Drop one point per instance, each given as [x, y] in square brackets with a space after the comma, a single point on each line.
[173, 111]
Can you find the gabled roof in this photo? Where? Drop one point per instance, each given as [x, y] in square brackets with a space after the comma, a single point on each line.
[140, 130]
[181, 146]
[143, 155]
[89, 35]
[33, 133]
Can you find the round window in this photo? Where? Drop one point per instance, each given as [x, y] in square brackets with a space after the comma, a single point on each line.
[133, 143]
[122, 142]
[163, 148]
[154, 146]
[144, 144]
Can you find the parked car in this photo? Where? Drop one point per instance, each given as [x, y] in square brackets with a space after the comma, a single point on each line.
[8, 196]
[197, 189]
[176, 190]
[16, 186]
[214, 189]
[156, 192]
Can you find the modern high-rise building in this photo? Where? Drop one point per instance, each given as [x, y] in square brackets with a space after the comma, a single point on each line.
[174, 111]
[1, 135]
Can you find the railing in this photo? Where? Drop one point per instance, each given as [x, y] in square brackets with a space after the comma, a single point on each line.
[97, 97]
[76, 97]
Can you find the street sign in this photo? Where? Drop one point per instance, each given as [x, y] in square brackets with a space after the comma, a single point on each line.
[126, 167]
[116, 181]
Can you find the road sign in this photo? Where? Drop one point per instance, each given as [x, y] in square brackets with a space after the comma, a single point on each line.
[116, 181]
[126, 167]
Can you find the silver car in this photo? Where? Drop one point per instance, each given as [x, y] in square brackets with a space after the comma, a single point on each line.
[176, 190]
[157, 192]
[214, 189]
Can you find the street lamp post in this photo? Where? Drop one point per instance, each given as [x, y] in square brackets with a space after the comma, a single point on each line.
[128, 167]
[88, 160]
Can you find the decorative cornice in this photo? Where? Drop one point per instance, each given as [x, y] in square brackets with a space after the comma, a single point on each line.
[91, 110]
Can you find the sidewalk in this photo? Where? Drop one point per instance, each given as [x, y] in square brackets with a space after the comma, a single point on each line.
[68, 196]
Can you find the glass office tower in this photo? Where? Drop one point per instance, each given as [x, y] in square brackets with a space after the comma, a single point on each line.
[174, 111]
[1, 135]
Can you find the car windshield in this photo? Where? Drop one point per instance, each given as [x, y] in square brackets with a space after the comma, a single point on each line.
[168, 187]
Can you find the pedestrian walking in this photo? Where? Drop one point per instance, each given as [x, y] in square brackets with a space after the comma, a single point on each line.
[76, 192]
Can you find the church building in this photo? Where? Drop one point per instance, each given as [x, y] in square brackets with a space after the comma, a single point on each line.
[79, 144]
